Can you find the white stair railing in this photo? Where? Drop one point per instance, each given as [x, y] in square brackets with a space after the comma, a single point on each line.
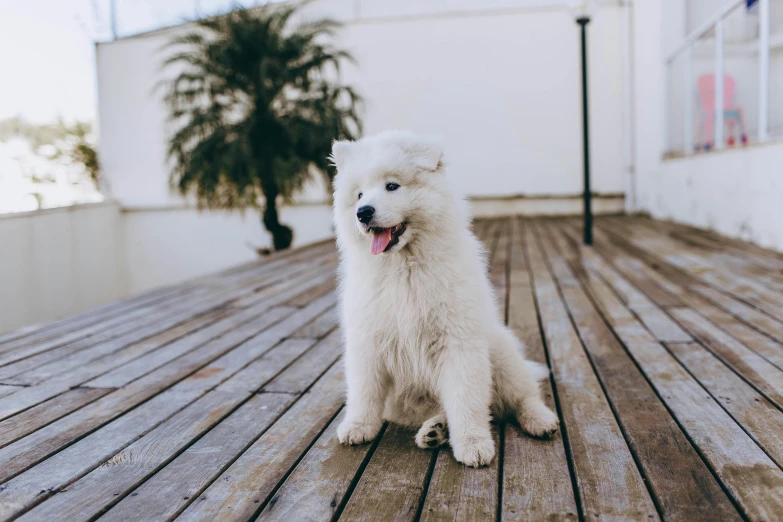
[685, 50]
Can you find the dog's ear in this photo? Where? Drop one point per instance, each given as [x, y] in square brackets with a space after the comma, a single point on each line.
[426, 152]
[340, 152]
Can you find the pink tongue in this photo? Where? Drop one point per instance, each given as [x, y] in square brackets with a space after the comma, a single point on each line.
[380, 240]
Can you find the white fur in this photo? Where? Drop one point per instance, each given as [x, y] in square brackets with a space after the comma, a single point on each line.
[422, 334]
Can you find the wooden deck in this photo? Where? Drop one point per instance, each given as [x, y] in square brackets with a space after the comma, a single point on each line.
[218, 399]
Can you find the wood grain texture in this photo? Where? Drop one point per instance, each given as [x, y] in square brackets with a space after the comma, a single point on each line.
[757, 415]
[170, 490]
[456, 492]
[316, 488]
[536, 479]
[394, 482]
[35, 418]
[320, 326]
[609, 482]
[125, 470]
[660, 447]
[78, 458]
[752, 479]
[243, 488]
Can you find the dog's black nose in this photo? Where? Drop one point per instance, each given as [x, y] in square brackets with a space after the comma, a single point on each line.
[365, 213]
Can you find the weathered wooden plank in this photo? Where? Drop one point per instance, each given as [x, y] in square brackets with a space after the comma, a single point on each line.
[689, 293]
[710, 273]
[26, 452]
[86, 497]
[14, 371]
[609, 482]
[267, 367]
[58, 361]
[79, 458]
[760, 321]
[457, 492]
[92, 493]
[758, 371]
[308, 367]
[693, 237]
[740, 263]
[47, 412]
[79, 339]
[37, 334]
[243, 488]
[168, 491]
[751, 478]
[33, 395]
[758, 416]
[308, 295]
[317, 486]
[267, 263]
[688, 289]
[7, 389]
[536, 479]
[323, 266]
[320, 326]
[36, 484]
[653, 317]
[480, 228]
[660, 447]
[121, 374]
[766, 258]
[394, 481]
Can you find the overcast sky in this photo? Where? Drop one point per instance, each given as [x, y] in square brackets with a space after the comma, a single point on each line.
[47, 51]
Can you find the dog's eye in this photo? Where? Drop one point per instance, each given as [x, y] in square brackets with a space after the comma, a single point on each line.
[359, 196]
[391, 187]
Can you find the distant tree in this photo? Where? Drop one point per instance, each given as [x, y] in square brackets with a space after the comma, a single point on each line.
[255, 105]
[69, 145]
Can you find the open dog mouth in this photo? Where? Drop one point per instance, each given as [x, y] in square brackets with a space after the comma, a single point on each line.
[385, 238]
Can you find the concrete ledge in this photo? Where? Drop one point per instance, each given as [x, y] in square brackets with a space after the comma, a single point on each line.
[544, 205]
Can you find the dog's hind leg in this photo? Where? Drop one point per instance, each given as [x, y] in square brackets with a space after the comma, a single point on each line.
[516, 386]
[433, 432]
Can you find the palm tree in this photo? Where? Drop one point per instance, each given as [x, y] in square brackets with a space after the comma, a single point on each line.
[255, 106]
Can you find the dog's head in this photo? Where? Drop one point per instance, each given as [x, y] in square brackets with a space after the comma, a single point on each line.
[389, 190]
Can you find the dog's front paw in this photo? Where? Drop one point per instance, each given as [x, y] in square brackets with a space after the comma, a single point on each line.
[355, 432]
[474, 452]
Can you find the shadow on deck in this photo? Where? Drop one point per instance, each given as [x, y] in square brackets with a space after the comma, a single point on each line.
[218, 399]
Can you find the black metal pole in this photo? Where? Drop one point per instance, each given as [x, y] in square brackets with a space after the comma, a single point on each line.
[588, 215]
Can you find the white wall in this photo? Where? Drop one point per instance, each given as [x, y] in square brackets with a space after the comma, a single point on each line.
[166, 246]
[55, 263]
[501, 85]
[735, 192]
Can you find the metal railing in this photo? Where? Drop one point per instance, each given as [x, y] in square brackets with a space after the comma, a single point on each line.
[684, 51]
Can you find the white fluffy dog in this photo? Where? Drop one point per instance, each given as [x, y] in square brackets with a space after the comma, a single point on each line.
[424, 344]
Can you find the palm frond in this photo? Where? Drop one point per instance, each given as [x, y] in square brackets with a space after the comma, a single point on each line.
[255, 104]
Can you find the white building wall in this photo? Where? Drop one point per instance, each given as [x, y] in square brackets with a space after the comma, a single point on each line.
[500, 81]
[55, 263]
[169, 245]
